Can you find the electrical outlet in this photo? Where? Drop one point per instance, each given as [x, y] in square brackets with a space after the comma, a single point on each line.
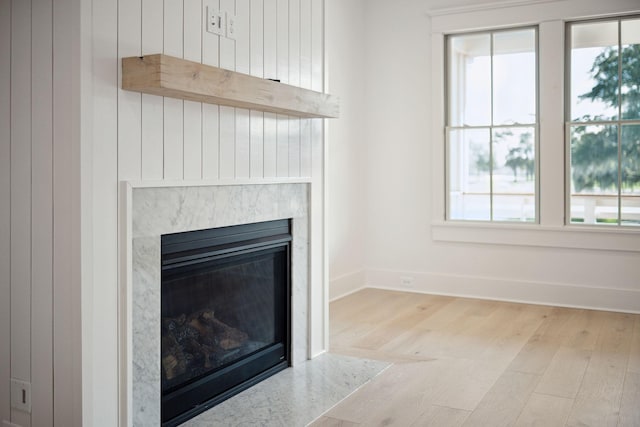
[406, 281]
[21, 395]
[232, 21]
[215, 21]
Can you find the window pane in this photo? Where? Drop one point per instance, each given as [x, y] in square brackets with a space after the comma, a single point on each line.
[630, 175]
[469, 174]
[630, 69]
[594, 71]
[470, 80]
[514, 77]
[514, 174]
[594, 174]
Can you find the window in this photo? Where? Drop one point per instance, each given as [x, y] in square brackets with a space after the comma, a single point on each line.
[603, 121]
[492, 128]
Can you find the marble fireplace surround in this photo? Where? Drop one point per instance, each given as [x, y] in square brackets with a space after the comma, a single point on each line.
[152, 211]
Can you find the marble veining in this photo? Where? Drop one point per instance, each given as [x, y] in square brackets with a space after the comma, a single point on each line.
[294, 397]
[156, 211]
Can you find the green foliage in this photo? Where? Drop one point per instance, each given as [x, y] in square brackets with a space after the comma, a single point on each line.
[594, 158]
[605, 71]
[594, 149]
[521, 157]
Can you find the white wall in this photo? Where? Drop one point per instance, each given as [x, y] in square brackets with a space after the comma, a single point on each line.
[61, 210]
[345, 40]
[148, 138]
[40, 209]
[399, 159]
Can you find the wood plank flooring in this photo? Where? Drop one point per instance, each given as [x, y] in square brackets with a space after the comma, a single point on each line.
[466, 362]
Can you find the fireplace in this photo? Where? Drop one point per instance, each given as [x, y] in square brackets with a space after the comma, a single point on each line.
[225, 313]
[153, 212]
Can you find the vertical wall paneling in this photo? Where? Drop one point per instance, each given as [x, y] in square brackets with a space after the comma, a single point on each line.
[42, 214]
[243, 56]
[282, 63]
[282, 40]
[305, 44]
[256, 37]
[227, 114]
[256, 149]
[317, 46]
[294, 42]
[43, 114]
[173, 108]
[282, 144]
[227, 142]
[305, 82]
[210, 141]
[305, 147]
[242, 146]
[104, 402]
[294, 79]
[129, 103]
[193, 110]
[67, 361]
[5, 207]
[294, 147]
[270, 72]
[210, 113]
[270, 145]
[270, 42]
[257, 144]
[317, 314]
[21, 197]
[152, 135]
[144, 137]
[256, 65]
[129, 120]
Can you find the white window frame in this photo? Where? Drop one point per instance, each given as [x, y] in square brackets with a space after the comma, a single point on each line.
[569, 122]
[551, 229]
[491, 127]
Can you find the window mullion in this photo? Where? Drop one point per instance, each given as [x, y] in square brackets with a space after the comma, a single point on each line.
[491, 165]
[619, 122]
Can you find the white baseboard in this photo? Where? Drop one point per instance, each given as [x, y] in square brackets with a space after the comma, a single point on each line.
[554, 294]
[346, 284]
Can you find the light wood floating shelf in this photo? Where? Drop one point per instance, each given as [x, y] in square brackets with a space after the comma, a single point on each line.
[178, 78]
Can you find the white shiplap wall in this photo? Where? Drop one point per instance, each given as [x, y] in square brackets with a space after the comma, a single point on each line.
[125, 136]
[168, 139]
[39, 208]
[149, 138]
[5, 208]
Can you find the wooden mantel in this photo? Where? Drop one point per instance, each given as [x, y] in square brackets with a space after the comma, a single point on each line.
[178, 78]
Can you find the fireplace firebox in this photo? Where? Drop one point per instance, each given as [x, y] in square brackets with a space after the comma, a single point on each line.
[225, 313]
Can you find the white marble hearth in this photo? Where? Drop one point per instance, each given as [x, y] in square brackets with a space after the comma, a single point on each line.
[161, 210]
[294, 397]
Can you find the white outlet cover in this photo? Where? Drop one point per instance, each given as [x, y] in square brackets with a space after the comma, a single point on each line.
[21, 395]
[232, 26]
[215, 21]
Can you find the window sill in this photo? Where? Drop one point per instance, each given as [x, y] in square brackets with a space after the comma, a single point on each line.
[573, 237]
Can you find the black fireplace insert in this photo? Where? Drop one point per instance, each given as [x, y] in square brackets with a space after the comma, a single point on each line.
[225, 313]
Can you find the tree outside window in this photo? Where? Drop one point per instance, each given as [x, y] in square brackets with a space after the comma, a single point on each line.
[604, 122]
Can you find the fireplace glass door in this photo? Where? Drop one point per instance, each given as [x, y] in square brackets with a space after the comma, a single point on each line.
[225, 313]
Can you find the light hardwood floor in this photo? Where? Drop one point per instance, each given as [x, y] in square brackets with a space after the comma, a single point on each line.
[466, 362]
